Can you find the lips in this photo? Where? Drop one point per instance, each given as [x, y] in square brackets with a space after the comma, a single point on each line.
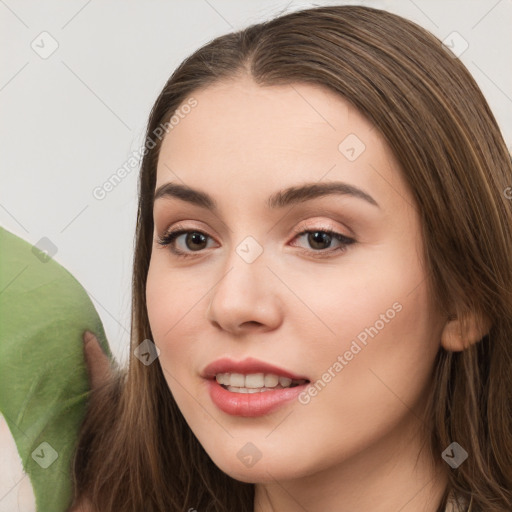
[246, 366]
[251, 405]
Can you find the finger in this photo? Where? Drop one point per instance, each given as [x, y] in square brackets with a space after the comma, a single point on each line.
[98, 363]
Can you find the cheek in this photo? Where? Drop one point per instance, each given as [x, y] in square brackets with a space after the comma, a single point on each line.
[169, 301]
[158, 297]
[338, 302]
[176, 300]
[378, 319]
[378, 383]
[387, 338]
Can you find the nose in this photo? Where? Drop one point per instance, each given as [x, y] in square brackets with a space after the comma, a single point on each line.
[246, 298]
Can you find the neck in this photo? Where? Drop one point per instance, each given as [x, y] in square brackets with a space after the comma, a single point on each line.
[393, 474]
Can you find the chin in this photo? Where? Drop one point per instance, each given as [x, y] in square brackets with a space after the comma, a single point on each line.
[262, 471]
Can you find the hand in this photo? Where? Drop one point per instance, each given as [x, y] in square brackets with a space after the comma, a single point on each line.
[99, 371]
[98, 363]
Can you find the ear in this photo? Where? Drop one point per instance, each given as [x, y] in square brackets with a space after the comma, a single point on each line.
[460, 333]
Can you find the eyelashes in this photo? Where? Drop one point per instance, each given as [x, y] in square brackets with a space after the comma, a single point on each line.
[315, 236]
[329, 235]
[169, 238]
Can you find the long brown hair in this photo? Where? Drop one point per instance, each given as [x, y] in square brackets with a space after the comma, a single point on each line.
[136, 452]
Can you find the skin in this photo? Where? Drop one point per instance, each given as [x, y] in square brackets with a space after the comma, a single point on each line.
[355, 445]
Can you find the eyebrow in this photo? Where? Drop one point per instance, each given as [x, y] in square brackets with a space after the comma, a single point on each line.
[280, 199]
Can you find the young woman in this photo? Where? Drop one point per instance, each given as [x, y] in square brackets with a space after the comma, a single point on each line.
[324, 265]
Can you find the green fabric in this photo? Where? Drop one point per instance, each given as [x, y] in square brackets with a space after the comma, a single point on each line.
[43, 378]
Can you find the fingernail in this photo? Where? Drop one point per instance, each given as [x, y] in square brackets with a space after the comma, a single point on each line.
[88, 336]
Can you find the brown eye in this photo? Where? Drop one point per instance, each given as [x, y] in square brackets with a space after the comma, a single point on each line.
[321, 239]
[317, 239]
[194, 241]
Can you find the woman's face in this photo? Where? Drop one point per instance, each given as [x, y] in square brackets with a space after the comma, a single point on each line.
[349, 313]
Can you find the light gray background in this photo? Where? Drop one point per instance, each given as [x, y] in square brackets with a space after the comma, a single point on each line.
[70, 120]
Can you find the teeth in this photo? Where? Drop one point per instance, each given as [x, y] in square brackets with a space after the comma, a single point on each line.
[255, 381]
[271, 381]
[248, 390]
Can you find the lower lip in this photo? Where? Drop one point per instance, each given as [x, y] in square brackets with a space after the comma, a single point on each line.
[251, 404]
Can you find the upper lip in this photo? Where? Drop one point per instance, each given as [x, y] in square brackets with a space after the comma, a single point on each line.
[246, 366]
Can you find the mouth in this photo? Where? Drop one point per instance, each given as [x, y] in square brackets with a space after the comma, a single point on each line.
[247, 401]
[251, 387]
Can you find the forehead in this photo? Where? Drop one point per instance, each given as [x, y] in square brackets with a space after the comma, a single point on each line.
[245, 138]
